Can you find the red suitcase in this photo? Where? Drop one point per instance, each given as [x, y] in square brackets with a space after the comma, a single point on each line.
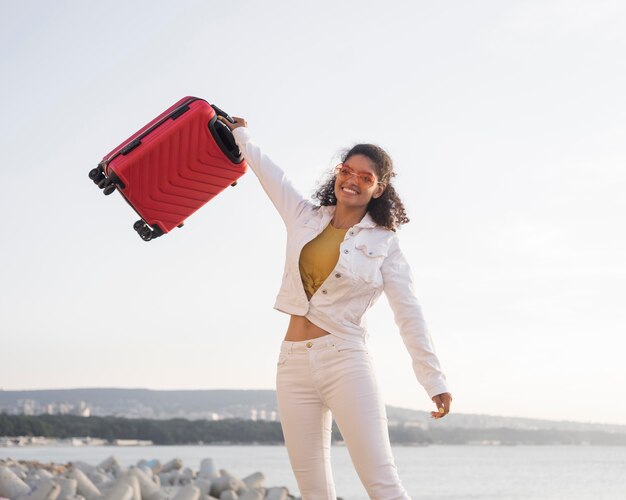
[172, 166]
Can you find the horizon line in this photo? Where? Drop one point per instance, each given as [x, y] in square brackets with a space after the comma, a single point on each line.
[273, 390]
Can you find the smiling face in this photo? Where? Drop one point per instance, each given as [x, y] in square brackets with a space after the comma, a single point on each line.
[351, 190]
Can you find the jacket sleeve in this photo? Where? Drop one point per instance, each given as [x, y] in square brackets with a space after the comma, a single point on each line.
[288, 200]
[400, 292]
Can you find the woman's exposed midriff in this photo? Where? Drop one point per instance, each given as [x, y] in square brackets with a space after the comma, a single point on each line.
[301, 328]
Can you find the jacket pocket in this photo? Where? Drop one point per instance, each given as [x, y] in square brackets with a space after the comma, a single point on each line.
[368, 259]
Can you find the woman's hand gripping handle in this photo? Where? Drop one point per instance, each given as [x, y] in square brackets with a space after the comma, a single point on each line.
[238, 122]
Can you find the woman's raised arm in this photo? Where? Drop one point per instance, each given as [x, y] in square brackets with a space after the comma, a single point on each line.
[286, 198]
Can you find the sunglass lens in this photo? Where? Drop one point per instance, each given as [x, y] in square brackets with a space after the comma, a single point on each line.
[367, 179]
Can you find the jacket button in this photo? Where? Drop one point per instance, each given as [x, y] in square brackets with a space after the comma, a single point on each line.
[337, 275]
[346, 251]
[324, 291]
[351, 233]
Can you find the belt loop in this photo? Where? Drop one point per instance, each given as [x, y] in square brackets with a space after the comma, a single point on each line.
[290, 347]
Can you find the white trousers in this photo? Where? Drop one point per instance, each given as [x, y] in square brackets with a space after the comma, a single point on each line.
[324, 375]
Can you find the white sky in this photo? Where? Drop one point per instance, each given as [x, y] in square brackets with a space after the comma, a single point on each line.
[506, 121]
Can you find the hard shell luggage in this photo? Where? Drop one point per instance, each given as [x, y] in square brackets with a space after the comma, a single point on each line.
[172, 166]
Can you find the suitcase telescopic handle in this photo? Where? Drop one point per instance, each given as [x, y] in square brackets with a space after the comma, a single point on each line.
[222, 113]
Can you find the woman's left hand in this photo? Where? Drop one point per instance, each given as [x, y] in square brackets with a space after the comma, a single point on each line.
[443, 405]
[239, 122]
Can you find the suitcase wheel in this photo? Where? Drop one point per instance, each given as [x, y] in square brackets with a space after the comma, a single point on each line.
[143, 230]
[108, 184]
[97, 175]
[99, 178]
[145, 233]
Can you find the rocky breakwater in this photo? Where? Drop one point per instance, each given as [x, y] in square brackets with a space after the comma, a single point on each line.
[148, 480]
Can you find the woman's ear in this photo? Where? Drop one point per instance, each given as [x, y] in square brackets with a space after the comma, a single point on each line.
[379, 190]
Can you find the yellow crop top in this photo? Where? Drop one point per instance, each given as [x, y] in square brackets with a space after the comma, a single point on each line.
[319, 257]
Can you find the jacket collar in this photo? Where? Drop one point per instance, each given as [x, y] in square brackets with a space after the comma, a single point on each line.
[329, 210]
[366, 221]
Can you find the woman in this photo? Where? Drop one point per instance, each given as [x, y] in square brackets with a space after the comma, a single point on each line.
[341, 256]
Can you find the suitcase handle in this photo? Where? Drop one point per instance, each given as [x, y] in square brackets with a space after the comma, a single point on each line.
[224, 137]
[222, 113]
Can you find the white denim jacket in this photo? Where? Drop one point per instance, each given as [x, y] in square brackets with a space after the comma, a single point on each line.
[370, 262]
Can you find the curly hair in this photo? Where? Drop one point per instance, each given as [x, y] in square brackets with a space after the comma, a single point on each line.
[387, 210]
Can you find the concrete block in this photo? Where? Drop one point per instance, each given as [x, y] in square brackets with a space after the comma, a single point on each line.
[237, 484]
[155, 465]
[187, 475]
[121, 491]
[228, 495]
[115, 487]
[147, 470]
[221, 484]
[189, 492]
[109, 464]
[107, 486]
[11, 486]
[146, 485]
[133, 482]
[208, 469]
[68, 486]
[85, 487]
[83, 466]
[254, 480]
[98, 477]
[253, 494]
[204, 485]
[19, 470]
[174, 464]
[46, 489]
[277, 493]
[43, 473]
[149, 489]
[178, 478]
[165, 479]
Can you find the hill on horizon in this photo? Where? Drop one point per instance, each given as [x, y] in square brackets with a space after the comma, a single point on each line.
[242, 403]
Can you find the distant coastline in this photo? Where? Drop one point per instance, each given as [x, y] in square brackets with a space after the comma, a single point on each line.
[253, 405]
[45, 430]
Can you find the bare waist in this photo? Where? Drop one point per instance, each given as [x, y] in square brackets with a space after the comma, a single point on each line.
[300, 328]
